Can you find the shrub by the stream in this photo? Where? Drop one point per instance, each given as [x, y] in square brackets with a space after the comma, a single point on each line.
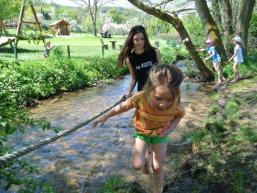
[58, 74]
[12, 118]
[190, 70]
[118, 184]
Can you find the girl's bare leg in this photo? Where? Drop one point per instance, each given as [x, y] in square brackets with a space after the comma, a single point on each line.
[139, 152]
[217, 69]
[146, 169]
[236, 76]
[159, 154]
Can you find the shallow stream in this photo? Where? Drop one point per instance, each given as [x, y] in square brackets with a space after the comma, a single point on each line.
[81, 161]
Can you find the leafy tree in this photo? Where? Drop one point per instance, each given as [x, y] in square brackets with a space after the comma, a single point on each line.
[243, 20]
[235, 17]
[158, 11]
[253, 29]
[155, 25]
[195, 28]
[9, 9]
[210, 25]
[93, 7]
[240, 19]
[117, 15]
[38, 2]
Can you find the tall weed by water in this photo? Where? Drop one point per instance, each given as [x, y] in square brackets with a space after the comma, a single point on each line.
[113, 184]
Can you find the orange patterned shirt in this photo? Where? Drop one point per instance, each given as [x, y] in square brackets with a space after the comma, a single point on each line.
[151, 122]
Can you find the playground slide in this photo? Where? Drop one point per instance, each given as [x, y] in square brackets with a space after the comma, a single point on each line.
[6, 40]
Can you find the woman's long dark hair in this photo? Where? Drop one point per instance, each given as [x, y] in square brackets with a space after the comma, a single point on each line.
[128, 45]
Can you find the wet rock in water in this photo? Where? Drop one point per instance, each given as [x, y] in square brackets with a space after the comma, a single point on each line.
[32, 102]
[221, 102]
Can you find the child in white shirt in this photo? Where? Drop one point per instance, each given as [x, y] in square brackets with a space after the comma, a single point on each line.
[237, 56]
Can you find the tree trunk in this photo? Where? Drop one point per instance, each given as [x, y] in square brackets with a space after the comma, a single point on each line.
[216, 12]
[92, 6]
[94, 28]
[227, 22]
[227, 16]
[210, 26]
[243, 21]
[95, 9]
[206, 73]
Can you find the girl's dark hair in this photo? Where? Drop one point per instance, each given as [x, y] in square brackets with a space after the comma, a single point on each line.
[128, 45]
[168, 75]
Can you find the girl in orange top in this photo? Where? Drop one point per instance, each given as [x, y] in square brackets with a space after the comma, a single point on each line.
[158, 112]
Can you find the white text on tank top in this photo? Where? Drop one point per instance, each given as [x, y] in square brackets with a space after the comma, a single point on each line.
[144, 65]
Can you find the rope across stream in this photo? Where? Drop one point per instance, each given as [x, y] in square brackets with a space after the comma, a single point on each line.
[25, 150]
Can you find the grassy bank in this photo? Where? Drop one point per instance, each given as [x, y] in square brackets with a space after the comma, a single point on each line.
[220, 156]
[76, 45]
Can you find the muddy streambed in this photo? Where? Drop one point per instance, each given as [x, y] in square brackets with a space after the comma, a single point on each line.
[81, 161]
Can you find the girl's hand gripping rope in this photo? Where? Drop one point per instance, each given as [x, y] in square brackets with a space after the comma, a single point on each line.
[118, 109]
[100, 120]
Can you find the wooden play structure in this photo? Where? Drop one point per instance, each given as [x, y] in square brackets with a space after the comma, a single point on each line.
[6, 39]
[21, 21]
[61, 27]
[33, 24]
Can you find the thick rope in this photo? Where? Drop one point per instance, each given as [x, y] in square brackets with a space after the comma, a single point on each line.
[25, 150]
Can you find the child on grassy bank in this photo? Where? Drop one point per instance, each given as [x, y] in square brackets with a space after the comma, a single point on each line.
[158, 112]
[237, 56]
[215, 57]
[48, 48]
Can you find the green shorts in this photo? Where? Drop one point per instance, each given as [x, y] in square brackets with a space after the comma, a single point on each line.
[150, 140]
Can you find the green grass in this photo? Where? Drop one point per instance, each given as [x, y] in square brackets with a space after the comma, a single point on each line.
[80, 45]
[226, 142]
[112, 184]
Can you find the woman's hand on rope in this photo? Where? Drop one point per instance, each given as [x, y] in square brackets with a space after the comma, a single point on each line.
[125, 97]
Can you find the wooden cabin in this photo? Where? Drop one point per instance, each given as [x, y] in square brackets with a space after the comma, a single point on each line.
[61, 27]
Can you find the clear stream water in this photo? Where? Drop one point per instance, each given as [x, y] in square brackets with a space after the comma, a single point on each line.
[81, 161]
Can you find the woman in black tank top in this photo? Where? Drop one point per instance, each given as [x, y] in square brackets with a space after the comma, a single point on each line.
[139, 56]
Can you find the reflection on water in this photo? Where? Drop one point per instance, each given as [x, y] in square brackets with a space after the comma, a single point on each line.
[82, 159]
